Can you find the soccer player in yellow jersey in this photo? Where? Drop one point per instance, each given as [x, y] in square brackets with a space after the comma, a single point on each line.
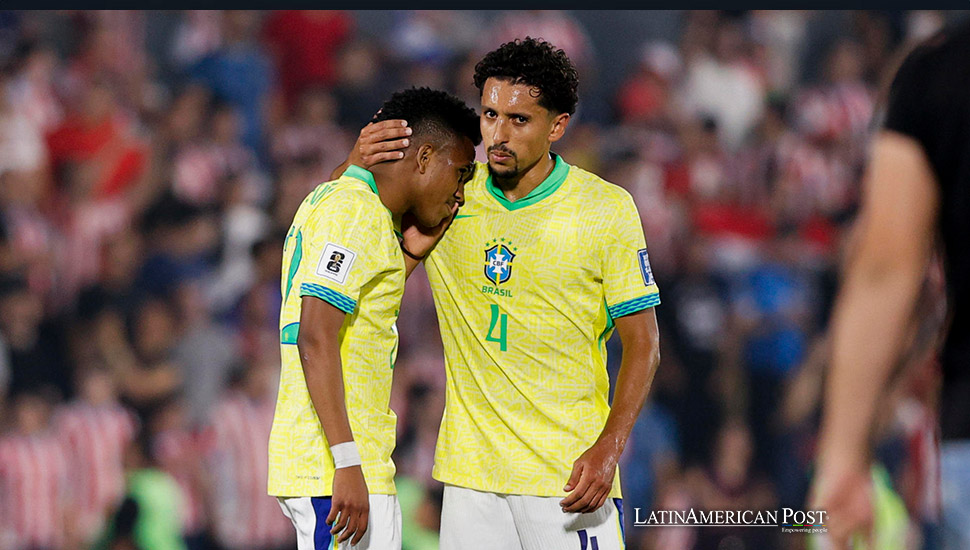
[542, 262]
[342, 282]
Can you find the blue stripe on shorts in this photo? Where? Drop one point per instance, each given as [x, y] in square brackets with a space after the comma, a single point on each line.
[322, 539]
[619, 510]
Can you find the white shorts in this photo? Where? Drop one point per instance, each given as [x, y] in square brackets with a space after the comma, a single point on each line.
[309, 516]
[473, 520]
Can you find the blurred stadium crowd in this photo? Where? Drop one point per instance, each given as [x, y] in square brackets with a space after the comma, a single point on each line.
[150, 163]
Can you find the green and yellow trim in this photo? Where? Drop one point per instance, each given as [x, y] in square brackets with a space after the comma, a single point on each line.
[290, 333]
[545, 189]
[340, 301]
[634, 305]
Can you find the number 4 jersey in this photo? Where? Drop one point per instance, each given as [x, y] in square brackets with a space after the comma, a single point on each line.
[526, 293]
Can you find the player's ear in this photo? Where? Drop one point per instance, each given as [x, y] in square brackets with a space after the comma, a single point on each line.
[559, 124]
[423, 157]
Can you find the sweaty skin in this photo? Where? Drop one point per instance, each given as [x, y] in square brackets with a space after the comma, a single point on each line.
[517, 132]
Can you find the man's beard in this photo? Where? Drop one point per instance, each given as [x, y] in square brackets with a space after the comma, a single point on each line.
[504, 172]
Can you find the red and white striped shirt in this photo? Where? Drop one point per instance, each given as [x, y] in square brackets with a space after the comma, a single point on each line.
[816, 179]
[554, 26]
[33, 491]
[95, 437]
[199, 170]
[87, 228]
[835, 112]
[180, 453]
[245, 516]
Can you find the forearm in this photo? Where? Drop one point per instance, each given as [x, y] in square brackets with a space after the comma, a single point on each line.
[637, 370]
[868, 325]
[894, 242]
[324, 379]
[409, 264]
[147, 385]
[593, 472]
[320, 357]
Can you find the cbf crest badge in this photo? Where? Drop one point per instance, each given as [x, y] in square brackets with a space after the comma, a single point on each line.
[499, 254]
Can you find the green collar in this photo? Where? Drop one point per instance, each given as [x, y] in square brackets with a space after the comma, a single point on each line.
[548, 186]
[365, 176]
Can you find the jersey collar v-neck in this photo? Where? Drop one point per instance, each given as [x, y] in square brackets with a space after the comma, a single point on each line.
[367, 177]
[548, 186]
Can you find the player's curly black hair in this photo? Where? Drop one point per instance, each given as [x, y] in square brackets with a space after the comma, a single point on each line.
[432, 113]
[537, 63]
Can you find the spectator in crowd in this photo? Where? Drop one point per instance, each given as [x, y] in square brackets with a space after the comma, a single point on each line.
[414, 453]
[652, 458]
[96, 142]
[142, 364]
[312, 132]
[244, 516]
[305, 45]
[204, 351]
[722, 84]
[95, 429]
[420, 513]
[553, 26]
[148, 515]
[35, 505]
[360, 86]
[644, 98]
[33, 347]
[240, 72]
[695, 322]
[730, 482]
[180, 449]
[770, 309]
[202, 171]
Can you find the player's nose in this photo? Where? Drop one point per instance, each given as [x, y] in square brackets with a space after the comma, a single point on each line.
[500, 133]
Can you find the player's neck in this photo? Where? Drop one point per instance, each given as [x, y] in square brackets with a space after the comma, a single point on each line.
[520, 187]
[390, 191]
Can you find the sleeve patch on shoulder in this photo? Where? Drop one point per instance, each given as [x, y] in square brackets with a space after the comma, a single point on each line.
[645, 270]
[335, 262]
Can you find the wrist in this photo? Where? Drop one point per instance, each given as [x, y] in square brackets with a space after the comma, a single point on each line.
[839, 460]
[610, 449]
[611, 440]
[345, 455]
[411, 255]
[837, 448]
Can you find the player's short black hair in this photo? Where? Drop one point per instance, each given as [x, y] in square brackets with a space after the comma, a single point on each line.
[432, 113]
[533, 62]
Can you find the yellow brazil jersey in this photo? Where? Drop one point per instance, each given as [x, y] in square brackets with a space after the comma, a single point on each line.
[341, 248]
[526, 293]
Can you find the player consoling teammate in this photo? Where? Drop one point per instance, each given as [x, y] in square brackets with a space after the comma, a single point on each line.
[342, 283]
[542, 263]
